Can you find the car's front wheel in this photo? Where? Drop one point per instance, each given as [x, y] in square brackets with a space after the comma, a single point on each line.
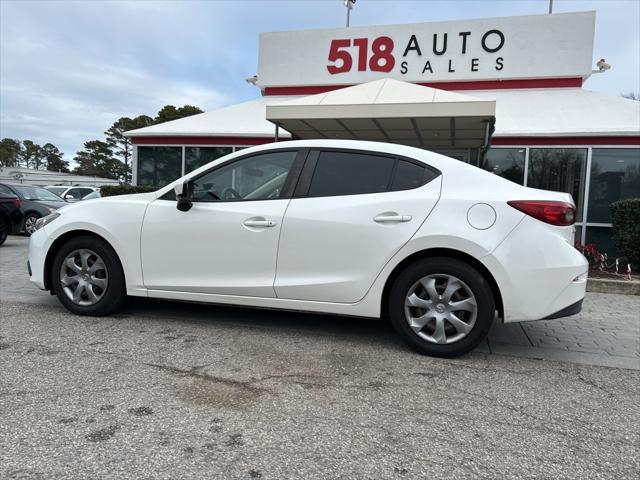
[441, 306]
[87, 277]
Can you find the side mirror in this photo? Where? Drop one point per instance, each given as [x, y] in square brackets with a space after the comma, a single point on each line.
[70, 198]
[183, 196]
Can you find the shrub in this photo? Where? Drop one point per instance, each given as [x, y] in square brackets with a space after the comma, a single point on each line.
[626, 228]
[111, 190]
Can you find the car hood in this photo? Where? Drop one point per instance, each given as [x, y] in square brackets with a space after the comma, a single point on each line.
[89, 205]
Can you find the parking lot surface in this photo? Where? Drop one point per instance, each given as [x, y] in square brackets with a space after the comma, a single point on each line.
[170, 390]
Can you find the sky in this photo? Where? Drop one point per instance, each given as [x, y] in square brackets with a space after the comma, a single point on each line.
[69, 69]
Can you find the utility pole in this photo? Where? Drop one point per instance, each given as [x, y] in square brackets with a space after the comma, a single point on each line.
[349, 4]
[550, 7]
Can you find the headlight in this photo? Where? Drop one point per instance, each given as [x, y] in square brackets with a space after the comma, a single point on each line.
[41, 222]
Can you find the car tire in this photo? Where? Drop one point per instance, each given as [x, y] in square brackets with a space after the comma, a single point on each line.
[441, 306]
[4, 230]
[95, 270]
[29, 225]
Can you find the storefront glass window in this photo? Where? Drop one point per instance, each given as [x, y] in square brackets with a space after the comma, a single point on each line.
[195, 157]
[615, 175]
[158, 166]
[506, 162]
[577, 237]
[603, 239]
[559, 169]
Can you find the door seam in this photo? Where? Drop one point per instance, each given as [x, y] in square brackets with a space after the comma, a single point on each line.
[275, 273]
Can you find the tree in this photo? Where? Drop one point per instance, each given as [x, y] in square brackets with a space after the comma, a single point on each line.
[169, 112]
[53, 158]
[631, 96]
[10, 152]
[32, 155]
[96, 159]
[120, 144]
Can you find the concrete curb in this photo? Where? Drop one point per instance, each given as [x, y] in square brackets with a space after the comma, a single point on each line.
[558, 355]
[623, 287]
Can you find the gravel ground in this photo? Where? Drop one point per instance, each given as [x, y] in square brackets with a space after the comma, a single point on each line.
[169, 390]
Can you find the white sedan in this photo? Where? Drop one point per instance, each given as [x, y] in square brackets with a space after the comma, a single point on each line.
[368, 229]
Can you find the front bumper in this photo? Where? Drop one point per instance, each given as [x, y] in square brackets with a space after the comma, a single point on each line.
[39, 244]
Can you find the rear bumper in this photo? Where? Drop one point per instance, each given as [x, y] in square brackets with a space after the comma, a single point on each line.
[539, 272]
[567, 311]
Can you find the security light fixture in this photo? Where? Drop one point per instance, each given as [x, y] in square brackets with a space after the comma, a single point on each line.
[602, 65]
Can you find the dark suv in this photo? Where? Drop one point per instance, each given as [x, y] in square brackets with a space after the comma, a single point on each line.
[11, 216]
[36, 202]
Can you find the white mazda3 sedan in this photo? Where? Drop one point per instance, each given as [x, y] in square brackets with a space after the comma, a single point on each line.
[368, 229]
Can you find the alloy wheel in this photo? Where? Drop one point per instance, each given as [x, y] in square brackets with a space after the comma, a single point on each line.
[84, 277]
[441, 308]
[30, 224]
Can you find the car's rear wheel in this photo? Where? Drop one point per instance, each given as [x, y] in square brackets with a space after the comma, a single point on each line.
[30, 223]
[87, 277]
[441, 306]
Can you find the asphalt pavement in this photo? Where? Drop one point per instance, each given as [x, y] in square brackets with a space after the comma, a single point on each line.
[171, 390]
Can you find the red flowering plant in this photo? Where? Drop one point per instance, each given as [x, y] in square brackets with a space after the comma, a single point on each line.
[598, 263]
[592, 254]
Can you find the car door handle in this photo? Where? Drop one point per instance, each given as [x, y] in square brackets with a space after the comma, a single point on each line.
[391, 217]
[260, 223]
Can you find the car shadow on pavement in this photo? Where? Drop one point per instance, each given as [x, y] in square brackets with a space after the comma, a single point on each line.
[272, 320]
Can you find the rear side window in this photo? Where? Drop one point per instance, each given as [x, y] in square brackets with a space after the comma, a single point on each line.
[343, 173]
[408, 175]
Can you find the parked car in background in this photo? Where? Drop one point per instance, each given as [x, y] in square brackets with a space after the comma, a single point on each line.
[92, 195]
[11, 216]
[344, 227]
[71, 193]
[36, 202]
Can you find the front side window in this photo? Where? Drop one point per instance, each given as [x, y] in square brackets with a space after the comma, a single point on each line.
[259, 177]
[75, 193]
[559, 169]
[345, 173]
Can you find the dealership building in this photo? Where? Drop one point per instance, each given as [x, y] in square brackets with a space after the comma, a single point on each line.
[503, 94]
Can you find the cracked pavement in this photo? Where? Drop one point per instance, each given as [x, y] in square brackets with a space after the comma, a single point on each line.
[171, 390]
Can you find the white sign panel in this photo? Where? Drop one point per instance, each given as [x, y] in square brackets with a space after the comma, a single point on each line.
[536, 46]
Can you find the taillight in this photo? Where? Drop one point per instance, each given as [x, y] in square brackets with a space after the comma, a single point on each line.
[555, 213]
[17, 203]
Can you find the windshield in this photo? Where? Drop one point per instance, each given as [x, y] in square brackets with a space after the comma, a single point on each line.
[57, 190]
[36, 193]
